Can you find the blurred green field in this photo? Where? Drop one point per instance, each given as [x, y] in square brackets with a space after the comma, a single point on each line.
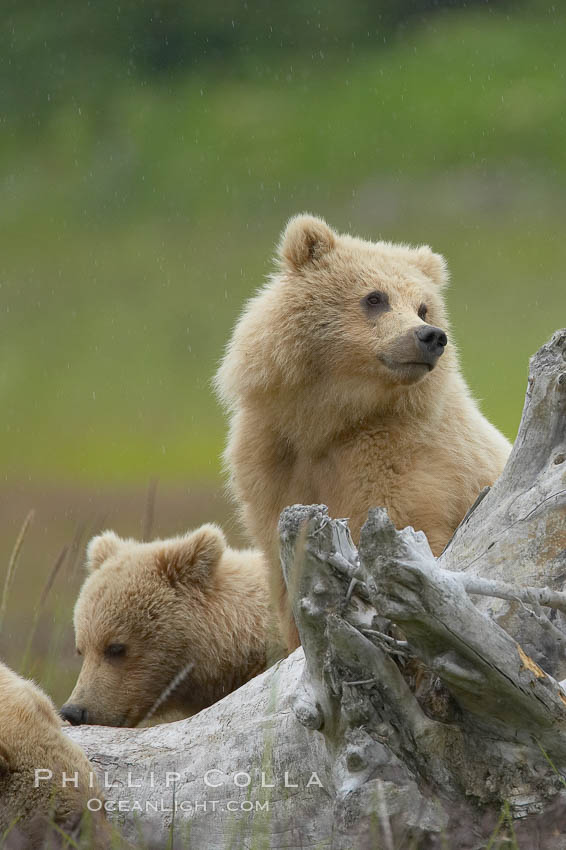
[136, 225]
[138, 217]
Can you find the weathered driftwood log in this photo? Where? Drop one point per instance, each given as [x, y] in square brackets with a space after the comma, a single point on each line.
[243, 773]
[516, 534]
[426, 707]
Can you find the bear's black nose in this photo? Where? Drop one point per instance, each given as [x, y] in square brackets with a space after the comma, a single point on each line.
[431, 341]
[75, 714]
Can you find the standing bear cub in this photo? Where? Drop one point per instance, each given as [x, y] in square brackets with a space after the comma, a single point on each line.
[166, 628]
[344, 388]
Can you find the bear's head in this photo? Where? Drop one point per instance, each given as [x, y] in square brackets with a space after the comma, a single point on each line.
[143, 625]
[35, 756]
[358, 324]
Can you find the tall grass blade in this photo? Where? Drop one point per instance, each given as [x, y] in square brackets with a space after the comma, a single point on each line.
[76, 548]
[167, 692]
[12, 565]
[149, 513]
[59, 561]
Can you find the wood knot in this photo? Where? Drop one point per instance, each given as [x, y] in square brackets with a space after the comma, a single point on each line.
[355, 761]
[309, 715]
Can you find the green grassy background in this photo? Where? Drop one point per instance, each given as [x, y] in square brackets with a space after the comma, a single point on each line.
[138, 216]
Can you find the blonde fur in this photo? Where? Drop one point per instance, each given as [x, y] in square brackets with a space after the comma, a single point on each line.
[317, 414]
[189, 602]
[30, 739]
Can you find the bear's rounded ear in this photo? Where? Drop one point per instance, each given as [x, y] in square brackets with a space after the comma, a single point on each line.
[306, 238]
[192, 558]
[100, 548]
[433, 265]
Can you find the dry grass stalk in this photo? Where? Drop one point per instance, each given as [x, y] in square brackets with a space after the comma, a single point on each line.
[149, 513]
[59, 561]
[12, 565]
[165, 694]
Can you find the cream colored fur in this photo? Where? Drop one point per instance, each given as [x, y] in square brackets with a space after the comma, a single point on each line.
[30, 739]
[189, 600]
[318, 416]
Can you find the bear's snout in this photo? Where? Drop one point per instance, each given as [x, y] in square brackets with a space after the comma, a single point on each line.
[75, 714]
[431, 342]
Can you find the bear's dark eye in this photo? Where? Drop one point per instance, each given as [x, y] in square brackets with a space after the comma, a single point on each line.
[115, 650]
[376, 301]
[78, 651]
[422, 312]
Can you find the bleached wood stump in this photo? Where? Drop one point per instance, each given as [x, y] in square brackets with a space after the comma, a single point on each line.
[427, 705]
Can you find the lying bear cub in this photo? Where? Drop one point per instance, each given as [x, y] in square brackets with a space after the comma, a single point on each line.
[166, 628]
[35, 756]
